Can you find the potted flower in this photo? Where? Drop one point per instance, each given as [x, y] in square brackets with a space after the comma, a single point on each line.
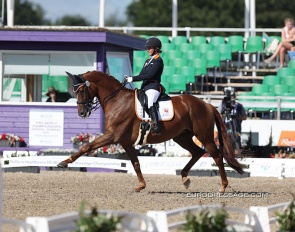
[111, 151]
[82, 139]
[115, 151]
[11, 140]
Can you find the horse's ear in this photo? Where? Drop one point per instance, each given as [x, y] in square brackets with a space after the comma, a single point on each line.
[77, 80]
[70, 76]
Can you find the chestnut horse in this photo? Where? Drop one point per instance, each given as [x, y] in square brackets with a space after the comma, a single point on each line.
[192, 117]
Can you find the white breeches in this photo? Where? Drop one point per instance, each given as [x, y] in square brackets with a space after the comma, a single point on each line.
[152, 96]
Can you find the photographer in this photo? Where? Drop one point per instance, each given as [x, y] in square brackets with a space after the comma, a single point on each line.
[233, 114]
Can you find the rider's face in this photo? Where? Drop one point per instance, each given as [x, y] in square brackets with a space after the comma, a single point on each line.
[150, 50]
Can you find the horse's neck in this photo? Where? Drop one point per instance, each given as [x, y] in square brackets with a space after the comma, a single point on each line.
[115, 95]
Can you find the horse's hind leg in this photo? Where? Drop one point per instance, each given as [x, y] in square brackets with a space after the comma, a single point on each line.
[214, 152]
[135, 162]
[185, 141]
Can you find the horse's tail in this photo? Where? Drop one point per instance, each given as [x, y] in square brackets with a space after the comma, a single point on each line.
[225, 144]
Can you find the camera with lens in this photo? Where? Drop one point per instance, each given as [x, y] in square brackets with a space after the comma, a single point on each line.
[229, 99]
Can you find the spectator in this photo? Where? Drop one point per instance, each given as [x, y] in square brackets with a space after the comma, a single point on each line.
[55, 96]
[287, 43]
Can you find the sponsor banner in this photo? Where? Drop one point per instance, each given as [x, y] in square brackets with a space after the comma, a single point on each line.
[53, 161]
[268, 167]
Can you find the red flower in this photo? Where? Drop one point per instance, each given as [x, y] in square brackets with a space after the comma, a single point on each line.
[21, 139]
[3, 136]
[104, 149]
[80, 137]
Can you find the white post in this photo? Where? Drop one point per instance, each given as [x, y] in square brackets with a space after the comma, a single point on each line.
[160, 218]
[252, 17]
[38, 223]
[247, 18]
[2, 14]
[10, 13]
[174, 18]
[101, 13]
[262, 222]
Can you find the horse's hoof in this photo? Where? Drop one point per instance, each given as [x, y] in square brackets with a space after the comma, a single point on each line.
[62, 164]
[186, 182]
[139, 188]
[222, 190]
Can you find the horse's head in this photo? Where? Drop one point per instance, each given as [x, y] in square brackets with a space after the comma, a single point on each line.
[85, 95]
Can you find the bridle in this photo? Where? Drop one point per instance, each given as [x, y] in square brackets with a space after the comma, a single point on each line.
[92, 105]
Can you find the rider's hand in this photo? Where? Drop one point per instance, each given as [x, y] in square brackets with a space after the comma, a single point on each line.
[128, 79]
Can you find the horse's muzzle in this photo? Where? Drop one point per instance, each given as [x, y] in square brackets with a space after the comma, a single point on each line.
[84, 114]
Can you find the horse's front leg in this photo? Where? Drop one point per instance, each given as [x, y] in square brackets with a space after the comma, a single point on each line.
[135, 162]
[101, 141]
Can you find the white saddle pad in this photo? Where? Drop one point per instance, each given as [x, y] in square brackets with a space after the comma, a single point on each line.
[165, 113]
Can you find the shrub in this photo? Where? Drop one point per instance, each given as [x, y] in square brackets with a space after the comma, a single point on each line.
[286, 219]
[96, 221]
[206, 220]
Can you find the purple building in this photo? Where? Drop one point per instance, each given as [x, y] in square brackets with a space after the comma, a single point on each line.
[32, 60]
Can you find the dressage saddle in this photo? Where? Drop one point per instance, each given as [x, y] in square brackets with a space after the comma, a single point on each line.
[142, 98]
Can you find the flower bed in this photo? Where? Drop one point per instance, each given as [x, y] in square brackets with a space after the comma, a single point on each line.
[11, 140]
[107, 151]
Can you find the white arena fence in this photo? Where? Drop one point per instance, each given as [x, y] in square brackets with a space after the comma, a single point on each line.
[67, 222]
[256, 219]
[258, 167]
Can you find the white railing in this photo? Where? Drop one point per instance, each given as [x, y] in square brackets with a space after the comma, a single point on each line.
[187, 30]
[258, 167]
[67, 222]
[162, 217]
[256, 218]
[24, 227]
[262, 214]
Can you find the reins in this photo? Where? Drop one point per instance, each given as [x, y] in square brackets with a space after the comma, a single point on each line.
[110, 96]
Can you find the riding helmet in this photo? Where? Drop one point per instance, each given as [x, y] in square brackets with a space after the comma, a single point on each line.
[153, 42]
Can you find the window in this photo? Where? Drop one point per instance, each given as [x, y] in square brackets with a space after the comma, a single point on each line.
[27, 76]
[118, 65]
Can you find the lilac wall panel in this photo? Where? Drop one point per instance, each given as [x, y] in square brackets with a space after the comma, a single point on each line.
[15, 120]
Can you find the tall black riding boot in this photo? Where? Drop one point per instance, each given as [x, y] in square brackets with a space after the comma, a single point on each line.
[154, 117]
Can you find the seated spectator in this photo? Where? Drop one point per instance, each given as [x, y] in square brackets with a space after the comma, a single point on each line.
[55, 96]
[287, 43]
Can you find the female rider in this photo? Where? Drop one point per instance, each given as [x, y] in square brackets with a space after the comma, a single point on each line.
[151, 77]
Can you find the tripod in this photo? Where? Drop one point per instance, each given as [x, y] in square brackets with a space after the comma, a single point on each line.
[231, 128]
